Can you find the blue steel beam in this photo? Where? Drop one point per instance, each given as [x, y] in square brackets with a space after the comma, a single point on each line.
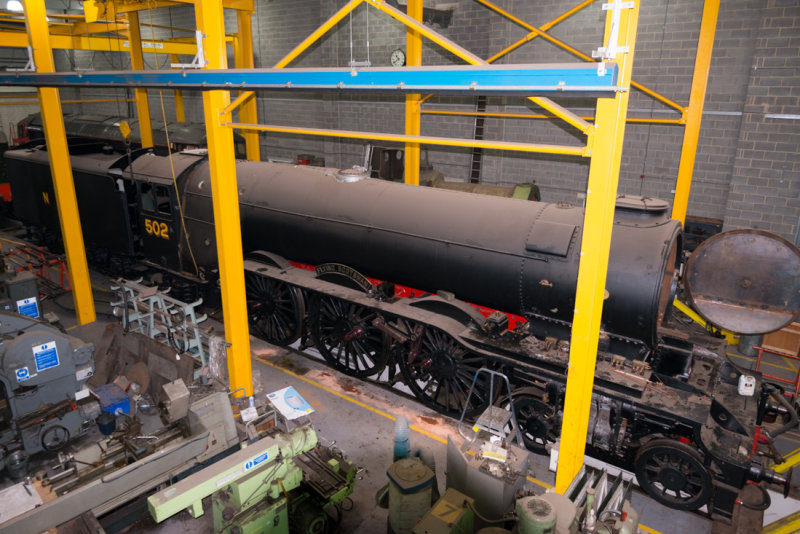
[529, 79]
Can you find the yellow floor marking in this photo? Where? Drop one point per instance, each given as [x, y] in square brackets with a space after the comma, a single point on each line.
[374, 410]
[391, 417]
[751, 360]
[788, 360]
[7, 240]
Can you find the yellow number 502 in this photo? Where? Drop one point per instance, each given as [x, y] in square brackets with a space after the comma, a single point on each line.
[158, 229]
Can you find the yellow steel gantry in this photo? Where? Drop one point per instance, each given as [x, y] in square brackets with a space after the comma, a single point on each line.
[413, 115]
[694, 112]
[225, 199]
[243, 59]
[603, 146]
[60, 168]
[137, 63]
[601, 195]
[691, 115]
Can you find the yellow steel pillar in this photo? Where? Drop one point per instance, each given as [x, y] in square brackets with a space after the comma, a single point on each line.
[243, 56]
[694, 113]
[137, 63]
[413, 114]
[598, 221]
[225, 196]
[180, 114]
[60, 170]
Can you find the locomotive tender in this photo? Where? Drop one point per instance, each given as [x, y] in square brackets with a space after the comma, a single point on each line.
[664, 406]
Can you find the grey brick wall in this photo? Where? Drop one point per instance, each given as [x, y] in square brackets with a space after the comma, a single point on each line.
[746, 170]
[765, 175]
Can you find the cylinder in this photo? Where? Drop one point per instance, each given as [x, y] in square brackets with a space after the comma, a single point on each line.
[536, 516]
[410, 488]
[748, 343]
[17, 465]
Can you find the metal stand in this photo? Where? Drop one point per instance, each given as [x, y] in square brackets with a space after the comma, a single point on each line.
[494, 419]
[153, 313]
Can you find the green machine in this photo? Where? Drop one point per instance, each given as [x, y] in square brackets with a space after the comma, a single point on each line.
[282, 479]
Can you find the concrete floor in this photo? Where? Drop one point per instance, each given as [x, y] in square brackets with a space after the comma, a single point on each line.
[358, 417]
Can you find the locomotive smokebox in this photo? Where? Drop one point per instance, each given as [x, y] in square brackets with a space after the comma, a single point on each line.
[745, 281]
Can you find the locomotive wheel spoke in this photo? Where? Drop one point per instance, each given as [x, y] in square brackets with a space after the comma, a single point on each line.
[276, 309]
[343, 333]
[673, 474]
[440, 375]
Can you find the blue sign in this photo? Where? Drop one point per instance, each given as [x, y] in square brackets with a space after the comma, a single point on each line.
[28, 307]
[46, 356]
[257, 460]
[22, 374]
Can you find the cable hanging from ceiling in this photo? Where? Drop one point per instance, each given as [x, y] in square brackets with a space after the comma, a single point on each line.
[169, 144]
[353, 63]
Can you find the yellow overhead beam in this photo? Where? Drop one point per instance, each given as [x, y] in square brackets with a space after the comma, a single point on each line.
[601, 193]
[127, 6]
[81, 101]
[60, 169]
[413, 115]
[694, 116]
[400, 138]
[537, 116]
[16, 39]
[83, 28]
[225, 198]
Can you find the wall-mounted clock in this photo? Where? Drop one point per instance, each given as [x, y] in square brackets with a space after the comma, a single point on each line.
[398, 58]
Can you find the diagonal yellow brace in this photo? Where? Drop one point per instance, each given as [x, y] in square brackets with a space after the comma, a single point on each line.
[730, 337]
[561, 44]
[472, 59]
[533, 35]
[308, 41]
[60, 169]
[691, 134]
[243, 97]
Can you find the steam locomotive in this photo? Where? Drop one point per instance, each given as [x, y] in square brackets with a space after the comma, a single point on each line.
[182, 135]
[665, 405]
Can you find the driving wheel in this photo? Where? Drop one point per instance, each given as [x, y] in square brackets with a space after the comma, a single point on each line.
[275, 308]
[672, 473]
[343, 333]
[439, 371]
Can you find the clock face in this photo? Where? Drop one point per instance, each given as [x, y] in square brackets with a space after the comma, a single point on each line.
[398, 58]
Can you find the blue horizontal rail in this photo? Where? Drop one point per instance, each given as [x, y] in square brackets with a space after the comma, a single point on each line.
[526, 79]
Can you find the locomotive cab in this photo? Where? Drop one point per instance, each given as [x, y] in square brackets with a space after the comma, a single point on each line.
[157, 208]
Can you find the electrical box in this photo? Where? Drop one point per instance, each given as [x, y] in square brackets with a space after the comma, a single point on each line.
[21, 294]
[176, 400]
